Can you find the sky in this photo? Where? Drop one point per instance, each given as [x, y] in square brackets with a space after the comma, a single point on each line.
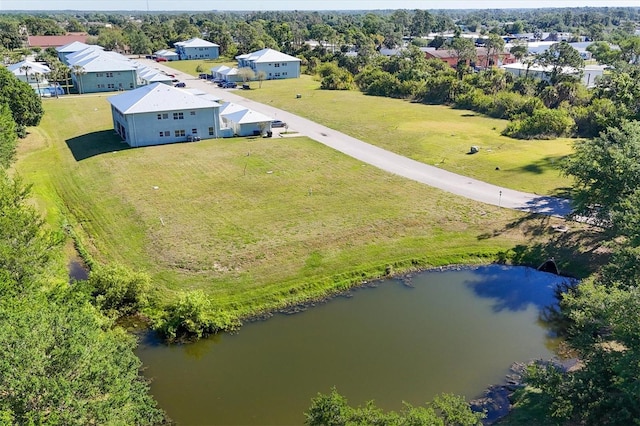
[208, 5]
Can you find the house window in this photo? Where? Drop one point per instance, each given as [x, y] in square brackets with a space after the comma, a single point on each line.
[111, 86]
[163, 116]
[178, 116]
[165, 133]
[180, 133]
[194, 131]
[192, 112]
[109, 74]
[210, 131]
[100, 86]
[276, 65]
[98, 74]
[284, 64]
[276, 75]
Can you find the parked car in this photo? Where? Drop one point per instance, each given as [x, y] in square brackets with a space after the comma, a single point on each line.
[278, 123]
[221, 83]
[229, 85]
[161, 59]
[246, 87]
[193, 138]
[180, 84]
[203, 76]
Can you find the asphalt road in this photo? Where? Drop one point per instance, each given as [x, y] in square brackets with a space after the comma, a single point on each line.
[429, 175]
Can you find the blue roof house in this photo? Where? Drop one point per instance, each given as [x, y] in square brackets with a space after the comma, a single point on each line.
[159, 114]
[275, 65]
[197, 48]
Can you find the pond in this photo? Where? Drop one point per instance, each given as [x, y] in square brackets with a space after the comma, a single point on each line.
[406, 339]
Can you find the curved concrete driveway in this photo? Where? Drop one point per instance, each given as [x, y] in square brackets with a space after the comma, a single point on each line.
[388, 161]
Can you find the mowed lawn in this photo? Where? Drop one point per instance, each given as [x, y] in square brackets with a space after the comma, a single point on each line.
[433, 134]
[256, 223]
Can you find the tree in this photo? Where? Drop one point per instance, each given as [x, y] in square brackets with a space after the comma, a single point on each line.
[334, 77]
[139, 43]
[261, 76]
[519, 50]
[10, 36]
[246, 73]
[465, 51]
[24, 103]
[495, 47]
[60, 367]
[446, 410]
[604, 331]
[78, 71]
[62, 362]
[8, 136]
[26, 246]
[606, 171]
[559, 57]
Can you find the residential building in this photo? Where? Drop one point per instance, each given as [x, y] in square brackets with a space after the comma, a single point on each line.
[159, 114]
[98, 71]
[44, 42]
[167, 54]
[483, 58]
[590, 73]
[275, 65]
[68, 49]
[197, 48]
[30, 72]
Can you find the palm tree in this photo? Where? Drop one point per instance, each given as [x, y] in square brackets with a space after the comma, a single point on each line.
[38, 78]
[78, 71]
[26, 68]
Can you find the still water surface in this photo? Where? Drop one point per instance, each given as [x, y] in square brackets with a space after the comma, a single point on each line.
[452, 331]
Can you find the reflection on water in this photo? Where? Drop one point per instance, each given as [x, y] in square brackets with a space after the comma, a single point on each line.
[77, 270]
[453, 331]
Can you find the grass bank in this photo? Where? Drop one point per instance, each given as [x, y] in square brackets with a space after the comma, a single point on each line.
[433, 134]
[255, 223]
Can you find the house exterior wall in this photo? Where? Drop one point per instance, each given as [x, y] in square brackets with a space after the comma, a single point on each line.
[211, 52]
[109, 81]
[278, 70]
[145, 129]
[248, 129]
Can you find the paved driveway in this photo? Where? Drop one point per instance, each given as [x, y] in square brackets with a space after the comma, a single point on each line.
[388, 161]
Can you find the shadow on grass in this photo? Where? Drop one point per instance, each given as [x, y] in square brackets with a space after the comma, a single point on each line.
[96, 143]
[543, 164]
[578, 250]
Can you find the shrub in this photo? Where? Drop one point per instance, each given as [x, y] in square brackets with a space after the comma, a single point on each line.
[193, 316]
[542, 124]
[116, 289]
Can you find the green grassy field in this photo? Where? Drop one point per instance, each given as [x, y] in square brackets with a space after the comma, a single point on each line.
[189, 67]
[433, 134]
[256, 223]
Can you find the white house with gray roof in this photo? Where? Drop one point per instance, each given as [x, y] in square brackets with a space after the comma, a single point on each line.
[197, 48]
[276, 65]
[29, 71]
[103, 73]
[68, 49]
[159, 114]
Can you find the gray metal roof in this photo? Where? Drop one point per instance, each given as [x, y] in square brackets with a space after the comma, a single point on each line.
[158, 97]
